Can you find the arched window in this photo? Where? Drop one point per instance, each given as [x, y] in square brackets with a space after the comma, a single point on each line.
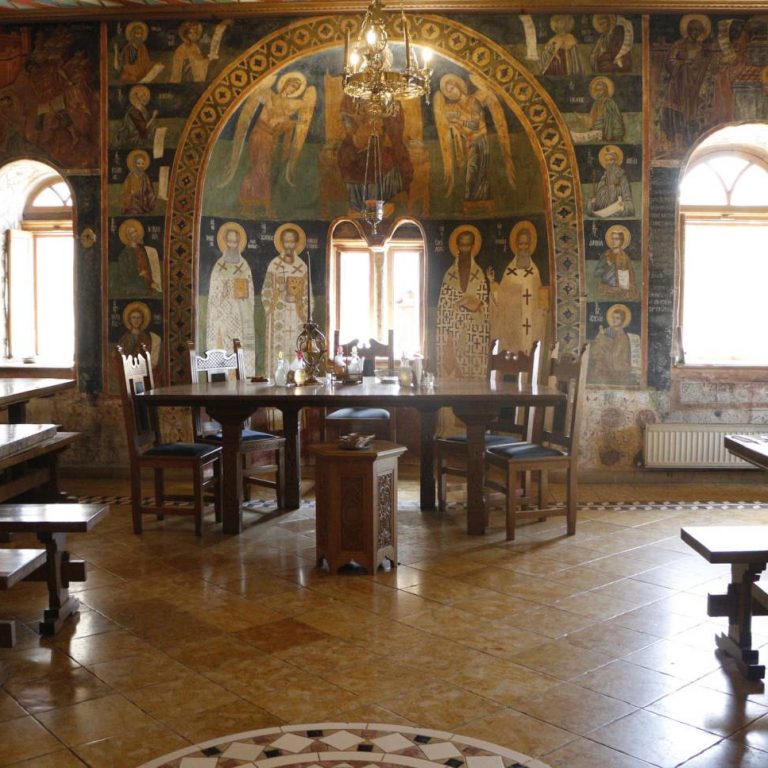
[374, 288]
[724, 264]
[39, 269]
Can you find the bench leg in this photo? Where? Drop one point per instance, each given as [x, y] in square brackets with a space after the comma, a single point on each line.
[739, 602]
[7, 633]
[60, 603]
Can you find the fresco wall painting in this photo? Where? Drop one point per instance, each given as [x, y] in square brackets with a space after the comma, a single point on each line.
[216, 127]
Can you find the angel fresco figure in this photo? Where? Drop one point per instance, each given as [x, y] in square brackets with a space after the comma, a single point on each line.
[463, 133]
[283, 108]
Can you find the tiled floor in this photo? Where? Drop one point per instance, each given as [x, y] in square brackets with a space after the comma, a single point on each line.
[593, 650]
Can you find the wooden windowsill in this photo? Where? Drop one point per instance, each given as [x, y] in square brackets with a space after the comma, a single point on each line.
[719, 373]
[35, 370]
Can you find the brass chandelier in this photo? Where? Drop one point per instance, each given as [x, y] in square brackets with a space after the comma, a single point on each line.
[368, 66]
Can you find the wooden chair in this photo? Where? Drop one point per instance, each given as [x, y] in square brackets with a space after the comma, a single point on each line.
[512, 426]
[554, 447]
[378, 420]
[220, 365]
[146, 451]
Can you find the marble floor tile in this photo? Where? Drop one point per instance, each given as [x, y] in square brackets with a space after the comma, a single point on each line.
[546, 644]
[24, 738]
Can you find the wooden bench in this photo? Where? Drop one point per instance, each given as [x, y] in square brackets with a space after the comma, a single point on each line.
[745, 549]
[16, 565]
[51, 523]
[35, 469]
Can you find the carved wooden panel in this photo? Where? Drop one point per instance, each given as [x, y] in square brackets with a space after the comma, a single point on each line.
[351, 502]
[386, 510]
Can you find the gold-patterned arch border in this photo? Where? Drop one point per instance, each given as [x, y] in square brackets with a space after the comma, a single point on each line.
[524, 95]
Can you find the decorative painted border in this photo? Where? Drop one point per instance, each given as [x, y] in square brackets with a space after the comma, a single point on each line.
[524, 95]
[15, 11]
[352, 744]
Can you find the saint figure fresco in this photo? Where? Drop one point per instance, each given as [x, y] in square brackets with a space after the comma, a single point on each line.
[615, 272]
[612, 51]
[561, 54]
[463, 333]
[137, 317]
[132, 61]
[285, 295]
[610, 352]
[137, 271]
[231, 296]
[612, 195]
[138, 192]
[138, 122]
[519, 301]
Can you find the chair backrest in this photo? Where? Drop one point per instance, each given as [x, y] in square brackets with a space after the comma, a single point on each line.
[374, 349]
[134, 375]
[520, 367]
[214, 365]
[346, 348]
[567, 373]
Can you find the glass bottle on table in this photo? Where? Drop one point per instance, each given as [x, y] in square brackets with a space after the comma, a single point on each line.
[299, 370]
[281, 371]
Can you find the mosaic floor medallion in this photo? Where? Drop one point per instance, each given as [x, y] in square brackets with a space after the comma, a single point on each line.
[345, 745]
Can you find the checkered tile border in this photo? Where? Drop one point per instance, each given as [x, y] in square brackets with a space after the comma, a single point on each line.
[345, 745]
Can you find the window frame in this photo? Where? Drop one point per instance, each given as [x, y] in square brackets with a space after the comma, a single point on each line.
[39, 222]
[381, 284]
[701, 213]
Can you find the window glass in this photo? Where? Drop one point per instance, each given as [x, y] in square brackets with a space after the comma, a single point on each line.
[375, 290]
[702, 186]
[56, 321]
[40, 307]
[406, 300]
[724, 293]
[723, 259]
[728, 167]
[751, 188]
[354, 295]
[54, 196]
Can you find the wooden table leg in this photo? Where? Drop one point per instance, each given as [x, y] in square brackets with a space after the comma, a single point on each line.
[476, 424]
[738, 604]
[60, 603]
[292, 435]
[427, 460]
[17, 413]
[232, 471]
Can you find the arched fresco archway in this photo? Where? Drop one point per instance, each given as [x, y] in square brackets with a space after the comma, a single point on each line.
[534, 108]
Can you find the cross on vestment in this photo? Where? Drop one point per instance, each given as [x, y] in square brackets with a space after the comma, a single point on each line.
[527, 296]
[527, 326]
[528, 272]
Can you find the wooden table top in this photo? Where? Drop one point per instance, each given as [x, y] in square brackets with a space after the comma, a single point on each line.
[752, 448]
[19, 390]
[376, 449]
[746, 544]
[55, 518]
[446, 392]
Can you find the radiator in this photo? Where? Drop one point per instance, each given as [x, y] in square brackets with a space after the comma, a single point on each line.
[694, 446]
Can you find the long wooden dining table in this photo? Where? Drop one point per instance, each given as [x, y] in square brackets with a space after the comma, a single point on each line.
[16, 392]
[476, 403]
